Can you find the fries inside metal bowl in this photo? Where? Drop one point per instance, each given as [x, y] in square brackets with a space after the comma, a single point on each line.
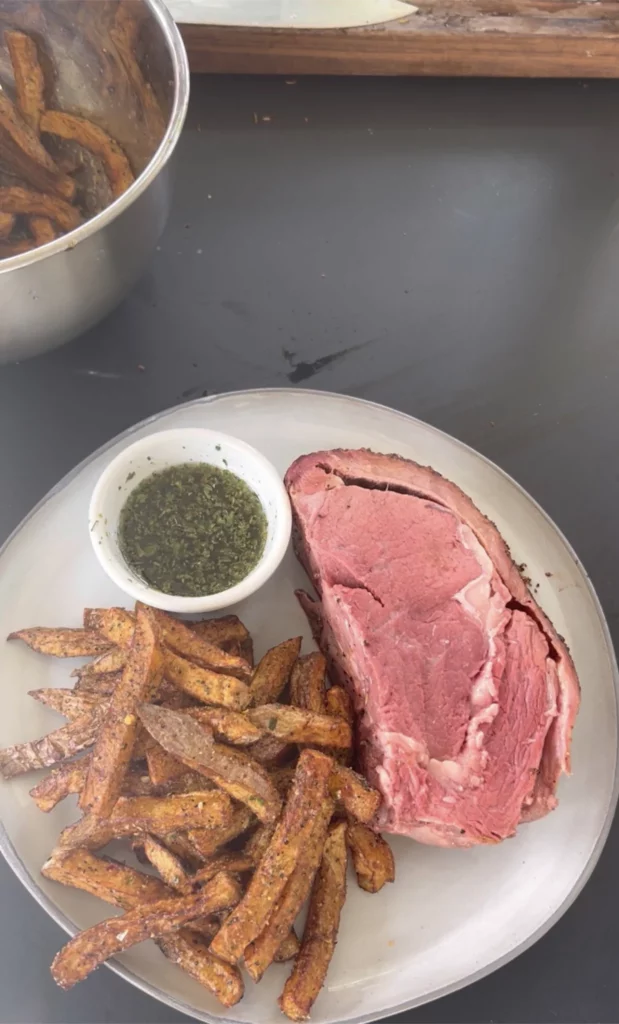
[232, 782]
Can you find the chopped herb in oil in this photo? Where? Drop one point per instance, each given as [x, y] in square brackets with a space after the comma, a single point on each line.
[192, 530]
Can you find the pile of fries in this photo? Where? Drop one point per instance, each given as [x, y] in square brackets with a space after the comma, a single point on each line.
[244, 805]
[43, 192]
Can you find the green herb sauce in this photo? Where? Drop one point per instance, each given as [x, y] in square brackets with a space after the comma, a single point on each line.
[192, 530]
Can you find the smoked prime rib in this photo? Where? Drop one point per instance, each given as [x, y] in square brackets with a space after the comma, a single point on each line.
[465, 696]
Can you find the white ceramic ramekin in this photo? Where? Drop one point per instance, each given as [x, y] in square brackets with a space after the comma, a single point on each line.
[170, 448]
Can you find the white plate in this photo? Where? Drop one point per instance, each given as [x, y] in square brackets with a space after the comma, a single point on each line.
[452, 916]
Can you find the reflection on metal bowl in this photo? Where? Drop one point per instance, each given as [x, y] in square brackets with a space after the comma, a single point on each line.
[138, 92]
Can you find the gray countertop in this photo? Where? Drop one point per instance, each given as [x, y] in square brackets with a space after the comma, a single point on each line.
[449, 248]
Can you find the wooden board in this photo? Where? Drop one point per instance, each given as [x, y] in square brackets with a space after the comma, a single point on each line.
[503, 38]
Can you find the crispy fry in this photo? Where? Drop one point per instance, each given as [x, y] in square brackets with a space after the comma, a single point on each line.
[56, 746]
[288, 949]
[371, 857]
[233, 862]
[296, 725]
[105, 878]
[185, 641]
[261, 953]
[26, 157]
[178, 844]
[127, 888]
[61, 643]
[282, 780]
[115, 741]
[163, 768]
[274, 670]
[291, 836]
[205, 842]
[65, 701]
[320, 935]
[256, 844]
[339, 703]
[227, 630]
[114, 624]
[307, 682]
[231, 726]
[94, 138]
[158, 815]
[7, 223]
[208, 686]
[68, 778]
[245, 780]
[28, 74]
[95, 945]
[100, 685]
[270, 751]
[112, 661]
[14, 199]
[168, 865]
[192, 954]
[356, 795]
[42, 230]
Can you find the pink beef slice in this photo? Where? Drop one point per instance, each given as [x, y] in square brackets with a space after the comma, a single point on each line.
[465, 695]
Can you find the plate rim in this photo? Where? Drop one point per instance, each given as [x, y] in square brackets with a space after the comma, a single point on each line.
[30, 884]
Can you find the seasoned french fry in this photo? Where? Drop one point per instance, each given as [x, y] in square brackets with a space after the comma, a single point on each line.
[61, 643]
[27, 158]
[94, 138]
[112, 661]
[261, 953]
[190, 645]
[208, 686]
[274, 670]
[7, 223]
[320, 935]
[371, 856]
[100, 685]
[256, 844]
[42, 230]
[270, 751]
[158, 815]
[339, 703]
[117, 625]
[232, 726]
[15, 199]
[127, 888]
[168, 865]
[95, 945]
[114, 624]
[66, 702]
[205, 842]
[192, 954]
[105, 878]
[307, 682]
[356, 795]
[163, 768]
[245, 780]
[233, 862]
[291, 836]
[115, 740]
[68, 778]
[227, 630]
[178, 843]
[296, 725]
[29, 80]
[288, 949]
[56, 746]
[282, 780]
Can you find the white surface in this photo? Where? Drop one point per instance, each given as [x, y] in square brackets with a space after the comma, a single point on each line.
[451, 915]
[288, 13]
[159, 451]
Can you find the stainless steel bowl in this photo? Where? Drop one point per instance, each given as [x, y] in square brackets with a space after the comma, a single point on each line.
[50, 295]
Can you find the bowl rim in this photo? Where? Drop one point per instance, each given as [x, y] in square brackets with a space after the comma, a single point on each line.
[180, 68]
[129, 582]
